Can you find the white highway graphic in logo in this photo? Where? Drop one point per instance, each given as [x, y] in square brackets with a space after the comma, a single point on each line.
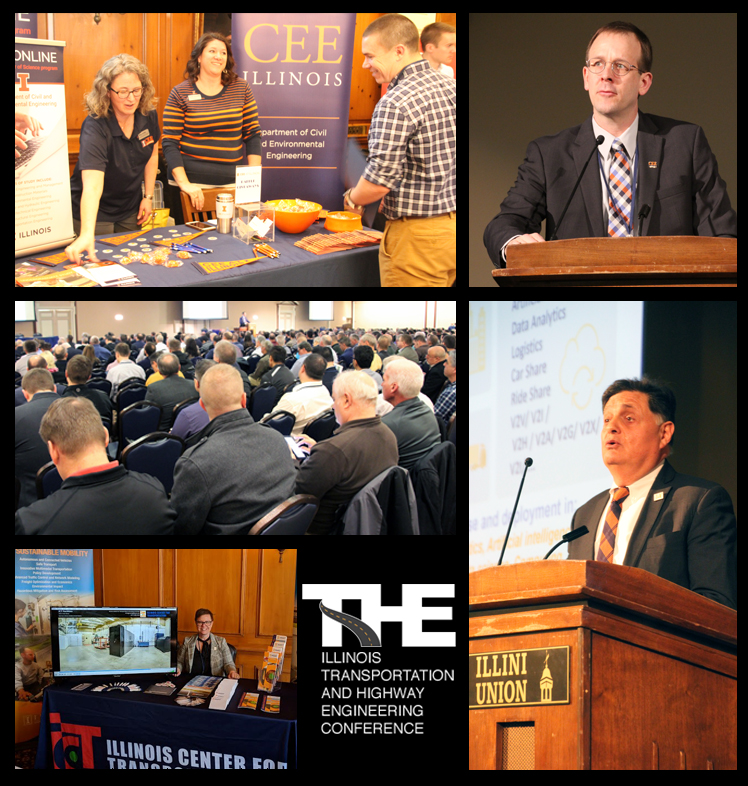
[366, 636]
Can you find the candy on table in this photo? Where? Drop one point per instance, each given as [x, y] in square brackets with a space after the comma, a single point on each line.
[294, 206]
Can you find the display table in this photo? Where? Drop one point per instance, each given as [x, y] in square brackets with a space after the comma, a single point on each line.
[124, 730]
[295, 267]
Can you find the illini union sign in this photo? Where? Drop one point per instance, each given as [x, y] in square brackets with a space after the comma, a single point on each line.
[508, 679]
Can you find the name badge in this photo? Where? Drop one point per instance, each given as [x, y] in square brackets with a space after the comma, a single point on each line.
[659, 495]
[194, 97]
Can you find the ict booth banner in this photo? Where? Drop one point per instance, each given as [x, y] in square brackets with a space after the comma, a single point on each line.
[298, 67]
[93, 731]
[44, 217]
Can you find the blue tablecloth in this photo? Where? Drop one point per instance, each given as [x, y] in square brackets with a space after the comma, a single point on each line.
[117, 730]
[295, 267]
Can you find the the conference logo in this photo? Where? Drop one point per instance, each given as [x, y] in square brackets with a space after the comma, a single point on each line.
[412, 613]
[385, 686]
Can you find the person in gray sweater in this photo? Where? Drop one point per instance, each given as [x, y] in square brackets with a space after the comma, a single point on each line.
[237, 472]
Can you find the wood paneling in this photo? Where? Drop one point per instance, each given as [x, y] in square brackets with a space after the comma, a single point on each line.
[249, 591]
[163, 42]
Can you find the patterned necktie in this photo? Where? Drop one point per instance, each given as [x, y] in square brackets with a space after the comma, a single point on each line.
[619, 208]
[610, 527]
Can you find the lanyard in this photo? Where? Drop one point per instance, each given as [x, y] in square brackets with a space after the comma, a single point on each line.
[633, 188]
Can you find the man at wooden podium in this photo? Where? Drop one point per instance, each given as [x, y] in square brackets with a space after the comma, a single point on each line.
[643, 161]
[676, 526]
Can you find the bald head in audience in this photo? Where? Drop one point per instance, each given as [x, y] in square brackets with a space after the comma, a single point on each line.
[436, 355]
[222, 391]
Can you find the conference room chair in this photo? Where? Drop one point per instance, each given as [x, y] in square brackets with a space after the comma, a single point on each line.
[155, 454]
[322, 427]
[48, 480]
[209, 204]
[104, 385]
[434, 480]
[130, 393]
[442, 426]
[263, 401]
[292, 517]
[188, 402]
[135, 421]
[388, 501]
[282, 422]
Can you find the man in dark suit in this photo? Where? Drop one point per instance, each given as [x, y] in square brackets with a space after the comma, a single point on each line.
[676, 526]
[643, 160]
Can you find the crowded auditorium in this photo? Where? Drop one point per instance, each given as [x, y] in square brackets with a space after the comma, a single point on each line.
[230, 417]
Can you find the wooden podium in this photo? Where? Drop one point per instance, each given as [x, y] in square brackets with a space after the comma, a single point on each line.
[678, 261]
[580, 665]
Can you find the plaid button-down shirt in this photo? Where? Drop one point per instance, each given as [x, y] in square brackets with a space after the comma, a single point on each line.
[412, 143]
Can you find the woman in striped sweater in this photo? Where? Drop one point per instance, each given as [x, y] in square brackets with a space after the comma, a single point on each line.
[207, 120]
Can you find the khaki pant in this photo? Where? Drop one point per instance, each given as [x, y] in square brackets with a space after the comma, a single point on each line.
[419, 252]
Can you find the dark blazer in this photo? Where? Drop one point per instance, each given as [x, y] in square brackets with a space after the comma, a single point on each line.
[684, 189]
[688, 537]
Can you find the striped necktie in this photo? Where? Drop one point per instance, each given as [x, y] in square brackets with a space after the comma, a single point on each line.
[619, 207]
[610, 527]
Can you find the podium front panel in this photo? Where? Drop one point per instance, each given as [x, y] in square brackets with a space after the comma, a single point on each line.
[526, 736]
[643, 694]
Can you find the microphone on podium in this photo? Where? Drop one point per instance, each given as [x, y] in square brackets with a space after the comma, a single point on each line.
[573, 535]
[598, 142]
[528, 463]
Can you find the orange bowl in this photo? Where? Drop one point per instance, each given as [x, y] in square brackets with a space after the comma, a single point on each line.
[342, 221]
[293, 223]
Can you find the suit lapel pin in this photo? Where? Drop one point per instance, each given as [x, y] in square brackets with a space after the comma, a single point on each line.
[652, 164]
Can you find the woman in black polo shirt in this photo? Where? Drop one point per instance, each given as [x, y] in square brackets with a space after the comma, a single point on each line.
[118, 150]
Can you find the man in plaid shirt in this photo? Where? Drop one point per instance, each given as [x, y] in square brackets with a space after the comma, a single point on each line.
[411, 159]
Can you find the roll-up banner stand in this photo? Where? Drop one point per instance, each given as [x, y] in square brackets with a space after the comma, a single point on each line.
[44, 217]
[299, 69]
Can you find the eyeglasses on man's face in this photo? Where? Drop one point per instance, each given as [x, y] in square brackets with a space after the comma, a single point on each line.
[619, 67]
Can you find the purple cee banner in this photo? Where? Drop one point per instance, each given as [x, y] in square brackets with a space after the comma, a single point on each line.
[300, 73]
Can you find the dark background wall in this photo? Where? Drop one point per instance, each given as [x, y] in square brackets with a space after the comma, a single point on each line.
[526, 81]
[693, 346]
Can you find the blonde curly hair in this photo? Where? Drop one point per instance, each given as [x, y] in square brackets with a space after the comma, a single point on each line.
[97, 101]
